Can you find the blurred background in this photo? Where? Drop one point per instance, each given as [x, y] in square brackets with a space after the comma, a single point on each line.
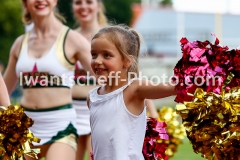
[162, 23]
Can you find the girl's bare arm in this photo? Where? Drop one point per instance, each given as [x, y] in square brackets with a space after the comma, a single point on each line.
[149, 90]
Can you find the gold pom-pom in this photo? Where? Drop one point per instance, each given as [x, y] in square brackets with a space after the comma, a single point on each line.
[15, 137]
[212, 123]
[175, 130]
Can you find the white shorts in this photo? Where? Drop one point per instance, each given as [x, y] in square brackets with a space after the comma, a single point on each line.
[54, 125]
[83, 117]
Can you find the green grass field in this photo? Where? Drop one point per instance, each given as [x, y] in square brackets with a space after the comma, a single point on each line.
[185, 152]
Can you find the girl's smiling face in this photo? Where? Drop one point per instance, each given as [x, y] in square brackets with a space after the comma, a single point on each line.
[106, 59]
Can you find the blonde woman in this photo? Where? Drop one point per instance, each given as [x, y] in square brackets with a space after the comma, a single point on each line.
[43, 59]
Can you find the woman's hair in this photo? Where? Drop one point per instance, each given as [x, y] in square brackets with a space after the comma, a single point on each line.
[102, 19]
[27, 19]
[126, 40]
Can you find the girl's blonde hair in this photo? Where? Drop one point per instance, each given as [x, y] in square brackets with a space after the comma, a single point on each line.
[126, 40]
[27, 19]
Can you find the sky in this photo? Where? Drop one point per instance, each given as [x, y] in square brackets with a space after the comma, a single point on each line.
[209, 6]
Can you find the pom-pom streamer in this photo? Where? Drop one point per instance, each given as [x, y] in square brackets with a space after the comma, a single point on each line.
[15, 137]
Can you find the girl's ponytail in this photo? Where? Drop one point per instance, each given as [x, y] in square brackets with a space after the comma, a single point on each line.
[136, 49]
[138, 40]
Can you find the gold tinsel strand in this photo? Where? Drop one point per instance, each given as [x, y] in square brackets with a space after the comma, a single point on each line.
[175, 129]
[15, 137]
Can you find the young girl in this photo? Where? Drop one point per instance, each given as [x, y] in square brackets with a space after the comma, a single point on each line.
[4, 98]
[117, 108]
[43, 59]
[90, 15]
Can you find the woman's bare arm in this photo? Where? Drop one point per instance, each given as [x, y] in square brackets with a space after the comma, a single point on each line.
[151, 108]
[82, 50]
[10, 76]
[4, 97]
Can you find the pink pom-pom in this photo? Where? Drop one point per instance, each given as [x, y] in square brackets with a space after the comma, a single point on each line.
[153, 146]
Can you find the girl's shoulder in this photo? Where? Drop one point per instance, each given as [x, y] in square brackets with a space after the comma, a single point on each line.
[94, 96]
[132, 86]
[133, 90]
[93, 91]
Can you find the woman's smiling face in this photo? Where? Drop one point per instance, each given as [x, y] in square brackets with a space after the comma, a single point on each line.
[85, 10]
[40, 8]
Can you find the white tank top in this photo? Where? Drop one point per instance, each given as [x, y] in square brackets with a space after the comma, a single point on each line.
[116, 133]
[54, 66]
